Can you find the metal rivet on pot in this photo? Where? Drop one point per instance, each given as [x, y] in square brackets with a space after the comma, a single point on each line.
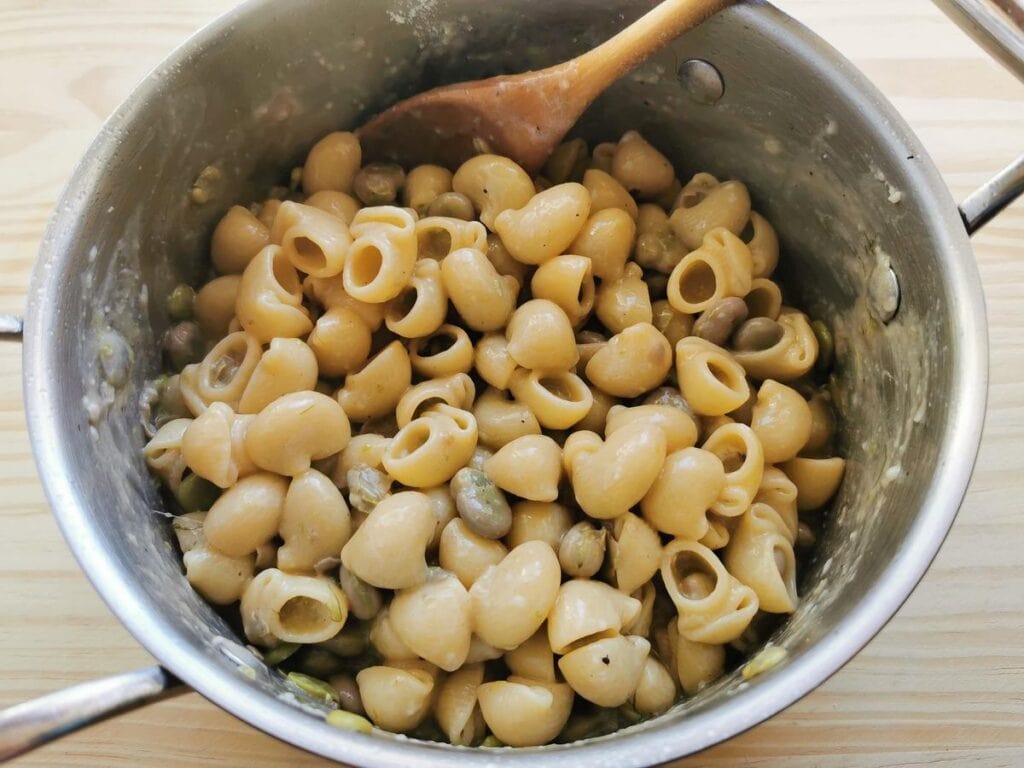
[702, 81]
[883, 291]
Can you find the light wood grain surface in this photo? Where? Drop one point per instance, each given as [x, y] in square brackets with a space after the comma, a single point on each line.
[942, 685]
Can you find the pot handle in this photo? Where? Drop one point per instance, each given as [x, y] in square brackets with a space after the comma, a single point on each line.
[998, 27]
[11, 328]
[26, 726]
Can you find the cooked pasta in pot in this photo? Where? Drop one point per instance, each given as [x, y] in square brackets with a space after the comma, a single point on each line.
[503, 460]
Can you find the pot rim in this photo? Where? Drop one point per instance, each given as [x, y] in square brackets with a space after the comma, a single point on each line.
[653, 744]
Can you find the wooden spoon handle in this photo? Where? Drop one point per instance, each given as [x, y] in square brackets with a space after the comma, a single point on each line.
[597, 69]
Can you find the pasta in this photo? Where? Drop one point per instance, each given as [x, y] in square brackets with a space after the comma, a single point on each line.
[509, 459]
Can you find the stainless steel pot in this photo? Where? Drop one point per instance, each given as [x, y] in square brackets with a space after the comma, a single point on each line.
[873, 242]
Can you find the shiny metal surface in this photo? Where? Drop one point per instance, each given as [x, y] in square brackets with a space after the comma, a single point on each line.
[701, 80]
[994, 195]
[995, 25]
[824, 155]
[26, 726]
[10, 328]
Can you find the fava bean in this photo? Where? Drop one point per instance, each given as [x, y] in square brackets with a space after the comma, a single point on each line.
[183, 344]
[659, 249]
[367, 487]
[348, 693]
[455, 205]
[581, 551]
[717, 323]
[179, 303]
[757, 334]
[378, 183]
[481, 503]
[197, 494]
[364, 600]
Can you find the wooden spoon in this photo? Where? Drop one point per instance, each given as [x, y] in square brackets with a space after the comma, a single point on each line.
[524, 116]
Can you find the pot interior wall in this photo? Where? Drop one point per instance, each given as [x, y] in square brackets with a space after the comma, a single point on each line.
[820, 163]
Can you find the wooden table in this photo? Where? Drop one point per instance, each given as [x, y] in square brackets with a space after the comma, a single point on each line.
[942, 685]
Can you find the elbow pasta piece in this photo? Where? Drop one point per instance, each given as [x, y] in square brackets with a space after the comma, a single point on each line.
[315, 523]
[443, 506]
[187, 386]
[791, 357]
[525, 713]
[641, 168]
[610, 477]
[606, 671]
[362, 450]
[389, 549]
[690, 481]
[429, 450]
[816, 480]
[539, 521]
[633, 361]
[237, 238]
[760, 555]
[493, 361]
[673, 325]
[602, 156]
[586, 610]
[223, 374]
[375, 389]
[481, 651]
[558, 400]
[705, 204]
[456, 390]
[529, 467]
[711, 379]
[296, 430]
[433, 619]
[512, 599]
[697, 664]
[500, 420]
[743, 458]
[568, 281]
[764, 299]
[456, 709]
[467, 554]
[219, 578]
[781, 420]
[246, 515]
[396, 699]
[213, 446]
[624, 300]
[606, 192]
[214, 305]
[494, 184]
[314, 241]
[503, 261]
[595, 419]
[339, 204]
[540, 337]
[533, 659]
[163, 453]
[587, 345]
[423, 184]
[438, 236]
[266, 211]
[720, 267]
[714, 607]
[340, 341]
[385, 640]
[718, 533]
[332, 163]
[285, 607]
[678, 426]
[607, 240]
[634, 550]
[330, 291]
[269, 302]
[778, 492]
[641, 625]
[289, 365]
[655, 690]
[763, 245]
[823, 425]
[546, 225]
[445, 352]
[381, 259]
[483, 298]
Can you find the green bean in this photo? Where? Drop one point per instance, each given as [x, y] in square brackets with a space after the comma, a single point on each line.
[454, 205]
[349, 721]
[180, 302]
[280, 653]
[717, 323]
[481, 503]
[348, 693]
[183, 344]
[315, 687]
[581, 551]
[757, 335]
[378, 183]
[826, 346]
[196, 494]
[364, 600]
